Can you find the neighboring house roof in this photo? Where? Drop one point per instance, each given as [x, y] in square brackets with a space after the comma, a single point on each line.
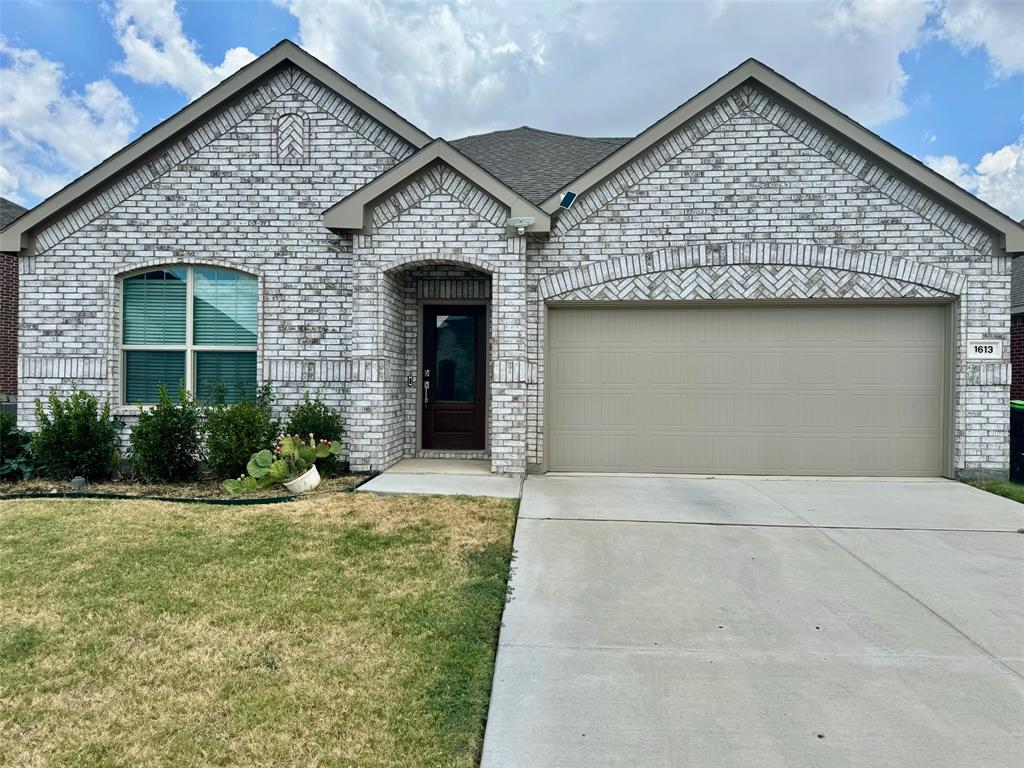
[753, 70]
[352, 212]
[536, 164]
[9, 211]
[11, 239]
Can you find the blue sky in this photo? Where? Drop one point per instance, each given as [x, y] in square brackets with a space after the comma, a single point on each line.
[943, 81]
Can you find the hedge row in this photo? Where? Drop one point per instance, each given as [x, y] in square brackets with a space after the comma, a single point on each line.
[174, 441]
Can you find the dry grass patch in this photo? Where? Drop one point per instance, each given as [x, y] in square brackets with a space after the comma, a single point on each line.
[349, 630]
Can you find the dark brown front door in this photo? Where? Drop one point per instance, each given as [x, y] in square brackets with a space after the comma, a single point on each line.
[454, 356]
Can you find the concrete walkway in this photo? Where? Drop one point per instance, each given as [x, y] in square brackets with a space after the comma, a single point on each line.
[761, 622]
[444, 477]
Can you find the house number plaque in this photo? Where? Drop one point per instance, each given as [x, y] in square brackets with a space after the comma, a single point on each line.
[984, 349]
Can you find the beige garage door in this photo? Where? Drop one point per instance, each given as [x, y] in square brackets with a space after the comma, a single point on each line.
[814, 390]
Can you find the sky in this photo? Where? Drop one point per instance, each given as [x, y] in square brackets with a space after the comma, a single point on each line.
[941, 79]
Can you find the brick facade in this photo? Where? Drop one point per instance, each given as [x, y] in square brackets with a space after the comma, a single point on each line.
[746, 201]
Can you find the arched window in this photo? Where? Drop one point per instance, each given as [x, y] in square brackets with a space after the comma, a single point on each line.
[195, 325]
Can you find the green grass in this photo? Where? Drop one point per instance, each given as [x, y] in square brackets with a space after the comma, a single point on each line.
[1005, 488]
[347, 631]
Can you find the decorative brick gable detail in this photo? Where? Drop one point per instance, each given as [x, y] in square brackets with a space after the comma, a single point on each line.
[434, 180]
[179, 152]
[754, 101]
[291, 139]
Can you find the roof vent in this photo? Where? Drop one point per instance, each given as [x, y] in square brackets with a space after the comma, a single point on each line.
[567, 200]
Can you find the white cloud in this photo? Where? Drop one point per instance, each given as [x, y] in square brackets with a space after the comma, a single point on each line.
[995, 25]
[604, 68]
[48, 134]
[157, 52]
[998, 178]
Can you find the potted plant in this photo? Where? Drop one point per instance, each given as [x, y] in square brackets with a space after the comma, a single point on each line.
[292, 463]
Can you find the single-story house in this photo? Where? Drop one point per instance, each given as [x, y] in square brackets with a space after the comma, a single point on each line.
[9, 211]
[754, 284]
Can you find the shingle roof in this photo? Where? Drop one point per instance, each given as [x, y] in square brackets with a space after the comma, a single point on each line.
[9, 211]
[535, 163]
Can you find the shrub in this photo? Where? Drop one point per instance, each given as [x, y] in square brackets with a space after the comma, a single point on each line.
[314, 417]
[15, 455]
[165, 441]
[77, 437]
[235, 432]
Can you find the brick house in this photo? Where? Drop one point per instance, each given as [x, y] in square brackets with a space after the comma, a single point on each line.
[9, 211]
[753, 284]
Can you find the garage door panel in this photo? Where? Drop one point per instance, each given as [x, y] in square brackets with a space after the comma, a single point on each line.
[671, 409]
[670, 368]
[615, 367]
[571, 368]
[719, 367]
[764, 390]
[916, 411]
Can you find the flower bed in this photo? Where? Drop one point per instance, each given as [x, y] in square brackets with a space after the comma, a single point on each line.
[200, 489]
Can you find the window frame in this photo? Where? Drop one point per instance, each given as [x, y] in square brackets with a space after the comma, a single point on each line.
[189, 348]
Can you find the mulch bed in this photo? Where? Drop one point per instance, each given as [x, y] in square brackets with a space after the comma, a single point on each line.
[204, 490]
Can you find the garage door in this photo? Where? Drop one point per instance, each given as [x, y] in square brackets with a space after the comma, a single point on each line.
[814, 389]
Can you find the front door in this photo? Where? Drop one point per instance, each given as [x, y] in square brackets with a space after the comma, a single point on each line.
[453, 384]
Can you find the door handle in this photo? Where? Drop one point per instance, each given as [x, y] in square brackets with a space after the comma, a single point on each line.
[426, 393]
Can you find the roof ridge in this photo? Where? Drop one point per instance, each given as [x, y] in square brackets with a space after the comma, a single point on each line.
[546, 132]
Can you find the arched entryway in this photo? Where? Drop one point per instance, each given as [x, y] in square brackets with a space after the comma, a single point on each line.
[438, 343]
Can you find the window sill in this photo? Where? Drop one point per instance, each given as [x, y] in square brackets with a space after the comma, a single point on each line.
[129, 410]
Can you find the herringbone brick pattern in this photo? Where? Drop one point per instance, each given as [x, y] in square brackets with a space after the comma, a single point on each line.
[291, 139]
[750, 281]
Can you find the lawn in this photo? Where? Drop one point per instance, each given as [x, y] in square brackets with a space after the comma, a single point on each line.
[351, 630]
[1005, 488]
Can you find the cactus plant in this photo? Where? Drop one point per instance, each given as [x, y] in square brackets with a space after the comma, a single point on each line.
[290, 458]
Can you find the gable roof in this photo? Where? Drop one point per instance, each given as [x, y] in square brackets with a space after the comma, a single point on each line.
[285, 52]
[752, 70]
[352, 212]
[9, 211]
[535, 163]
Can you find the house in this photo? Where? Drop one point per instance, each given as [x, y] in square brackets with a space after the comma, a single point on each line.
[9, 211]
[754, 284]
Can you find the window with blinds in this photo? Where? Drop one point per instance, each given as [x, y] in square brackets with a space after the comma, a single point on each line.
[191, 326]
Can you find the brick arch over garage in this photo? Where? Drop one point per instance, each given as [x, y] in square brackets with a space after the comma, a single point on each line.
[752, 270]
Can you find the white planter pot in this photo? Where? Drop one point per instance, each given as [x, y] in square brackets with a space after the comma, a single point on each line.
[307, 481]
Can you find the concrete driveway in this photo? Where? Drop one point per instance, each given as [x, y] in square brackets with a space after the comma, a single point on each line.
[761, 622]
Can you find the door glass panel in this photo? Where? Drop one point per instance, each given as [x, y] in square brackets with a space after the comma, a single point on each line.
[456, 358]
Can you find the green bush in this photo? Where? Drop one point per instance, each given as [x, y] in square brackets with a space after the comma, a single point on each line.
[165, 444]
[77, 437]
[313, 416]
[235, 432]
[15, 455]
